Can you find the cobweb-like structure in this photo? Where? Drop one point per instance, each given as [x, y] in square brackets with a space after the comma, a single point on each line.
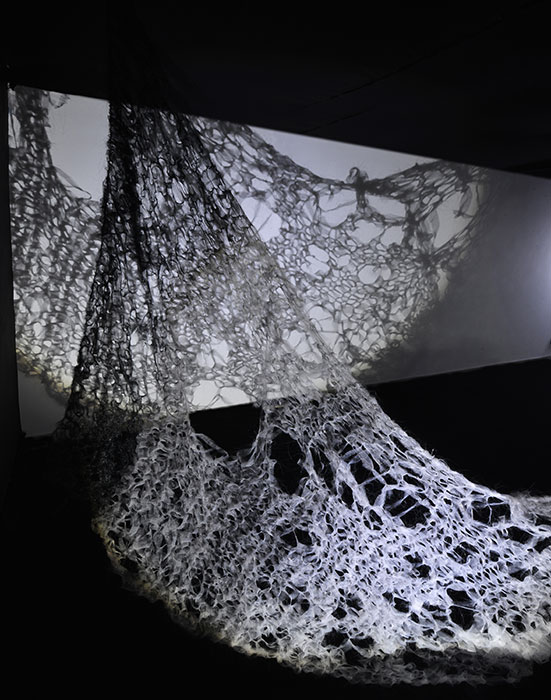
[333, 542]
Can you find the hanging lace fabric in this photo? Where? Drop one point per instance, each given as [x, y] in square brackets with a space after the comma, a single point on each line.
[333, 542]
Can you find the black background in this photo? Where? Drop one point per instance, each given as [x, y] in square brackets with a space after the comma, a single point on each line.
[470, 85]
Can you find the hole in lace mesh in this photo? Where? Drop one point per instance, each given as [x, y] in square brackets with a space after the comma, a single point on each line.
[346, 495]
[268, 642]
[288, 455]
[462, 552]
[359, 472]
[403, 505]
[323, 468]
[418, 515]
[542, 544]
[373, 488]
[491, 511]
[363, 642]
[518, 535]
[233, 429]
[420, 568]
[463, 617]
[334, 638]
[296, 537]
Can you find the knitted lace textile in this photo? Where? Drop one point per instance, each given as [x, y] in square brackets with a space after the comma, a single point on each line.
[333, 542]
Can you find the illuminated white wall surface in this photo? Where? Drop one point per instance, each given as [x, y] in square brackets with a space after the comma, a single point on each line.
[493, 307]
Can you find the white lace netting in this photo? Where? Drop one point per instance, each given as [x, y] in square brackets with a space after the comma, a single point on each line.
[333, 543]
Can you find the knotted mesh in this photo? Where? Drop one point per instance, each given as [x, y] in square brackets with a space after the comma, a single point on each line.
[332, 542]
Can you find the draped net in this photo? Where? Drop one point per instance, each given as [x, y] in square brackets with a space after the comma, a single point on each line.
[334, 542]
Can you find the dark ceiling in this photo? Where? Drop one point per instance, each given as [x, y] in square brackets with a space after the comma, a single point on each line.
[468, 82]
